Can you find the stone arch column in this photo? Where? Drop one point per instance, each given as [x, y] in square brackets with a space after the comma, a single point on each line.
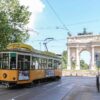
[92, 67]
[77, 59]
[68, 59]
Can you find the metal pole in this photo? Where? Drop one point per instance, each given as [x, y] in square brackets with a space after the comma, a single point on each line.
[97, 81]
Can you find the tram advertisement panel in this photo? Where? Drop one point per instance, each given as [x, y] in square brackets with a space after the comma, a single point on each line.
[49, 72]
[23, 75]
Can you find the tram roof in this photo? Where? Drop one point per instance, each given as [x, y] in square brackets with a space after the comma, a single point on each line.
[24, 48]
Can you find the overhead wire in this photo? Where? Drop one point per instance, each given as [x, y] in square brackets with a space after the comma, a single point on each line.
[72, 24]
[53, 40]
[58, 17]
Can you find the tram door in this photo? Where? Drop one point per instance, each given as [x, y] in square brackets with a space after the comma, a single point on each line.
[24, 67]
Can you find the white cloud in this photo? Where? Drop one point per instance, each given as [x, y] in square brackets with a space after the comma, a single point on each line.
[36, 7]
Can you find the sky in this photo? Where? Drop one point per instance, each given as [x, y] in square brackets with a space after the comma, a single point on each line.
[49, 17]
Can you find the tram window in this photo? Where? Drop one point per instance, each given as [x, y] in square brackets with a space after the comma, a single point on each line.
[13, 61]
[40, 67]
[50, 64]
[43, 63]
[27, 62]
[20, 61]
[55, 64]
[5, 61]
[46, 64]
[35, 63]
[23, 62]
[0, 61]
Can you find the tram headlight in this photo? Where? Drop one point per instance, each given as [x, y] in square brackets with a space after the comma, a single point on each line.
[14, 78]
[4, 75]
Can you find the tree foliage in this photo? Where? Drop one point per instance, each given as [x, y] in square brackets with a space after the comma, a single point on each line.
[13, 20]
[83, 65]
[64, 59]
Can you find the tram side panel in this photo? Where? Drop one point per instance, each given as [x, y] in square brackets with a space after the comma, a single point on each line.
[37, 74]
[58, 72]
[9, 75]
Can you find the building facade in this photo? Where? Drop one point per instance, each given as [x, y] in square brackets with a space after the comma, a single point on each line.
[79, 43]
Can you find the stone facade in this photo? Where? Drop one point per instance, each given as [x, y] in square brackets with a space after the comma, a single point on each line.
[77, 44]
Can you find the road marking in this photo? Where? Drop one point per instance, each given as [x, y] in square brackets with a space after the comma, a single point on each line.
[13, 98]
[61, 84]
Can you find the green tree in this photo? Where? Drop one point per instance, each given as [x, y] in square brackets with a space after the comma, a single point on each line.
[13, 20]
[73, 63]
[83, 65]
[64, 59]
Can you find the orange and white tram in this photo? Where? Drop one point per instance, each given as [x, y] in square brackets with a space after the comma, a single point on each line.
[21, 64]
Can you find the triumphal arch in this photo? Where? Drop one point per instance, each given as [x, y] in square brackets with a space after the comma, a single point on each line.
[79, 43]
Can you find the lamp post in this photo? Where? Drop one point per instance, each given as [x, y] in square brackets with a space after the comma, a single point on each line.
[97, 76]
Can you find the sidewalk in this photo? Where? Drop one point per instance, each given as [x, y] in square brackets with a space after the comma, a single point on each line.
[83, 93]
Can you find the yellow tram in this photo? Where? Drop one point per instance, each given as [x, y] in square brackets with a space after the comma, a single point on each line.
[21, 64]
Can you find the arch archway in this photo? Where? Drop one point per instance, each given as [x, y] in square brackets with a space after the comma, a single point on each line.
[85, 60]
[79, 43]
